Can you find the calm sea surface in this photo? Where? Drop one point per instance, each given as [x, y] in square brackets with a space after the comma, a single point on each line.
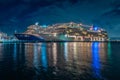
[60, 61]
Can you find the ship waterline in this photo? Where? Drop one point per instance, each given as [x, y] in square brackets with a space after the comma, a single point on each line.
[63, 32]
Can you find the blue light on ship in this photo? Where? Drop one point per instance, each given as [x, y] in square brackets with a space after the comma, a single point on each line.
[44, 55]
[96, 60]
[44, 26]
[95, 28]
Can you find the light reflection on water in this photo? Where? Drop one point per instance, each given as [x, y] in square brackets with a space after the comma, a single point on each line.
[95, 59]
[44, 55]
[68, 60]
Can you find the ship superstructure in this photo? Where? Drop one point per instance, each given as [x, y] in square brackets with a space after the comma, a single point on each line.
[64, 32]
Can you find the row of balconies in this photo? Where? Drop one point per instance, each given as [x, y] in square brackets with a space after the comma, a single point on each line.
[81, 38]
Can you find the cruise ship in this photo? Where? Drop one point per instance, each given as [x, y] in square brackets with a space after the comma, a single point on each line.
[63, 32]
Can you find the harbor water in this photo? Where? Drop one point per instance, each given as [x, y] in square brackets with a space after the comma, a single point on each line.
[60, 61]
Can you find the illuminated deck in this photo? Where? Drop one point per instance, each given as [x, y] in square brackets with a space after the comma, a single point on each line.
[63, 32]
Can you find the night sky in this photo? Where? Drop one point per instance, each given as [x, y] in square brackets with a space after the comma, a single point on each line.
[18, 14]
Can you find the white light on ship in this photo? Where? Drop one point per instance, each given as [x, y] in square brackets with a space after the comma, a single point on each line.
[99, 30]
[65, 35]
[36, 23]
[55, 34]
[80, 24]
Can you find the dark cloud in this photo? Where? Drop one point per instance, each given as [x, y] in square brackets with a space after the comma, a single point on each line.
[110, 18]
[18, 14]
